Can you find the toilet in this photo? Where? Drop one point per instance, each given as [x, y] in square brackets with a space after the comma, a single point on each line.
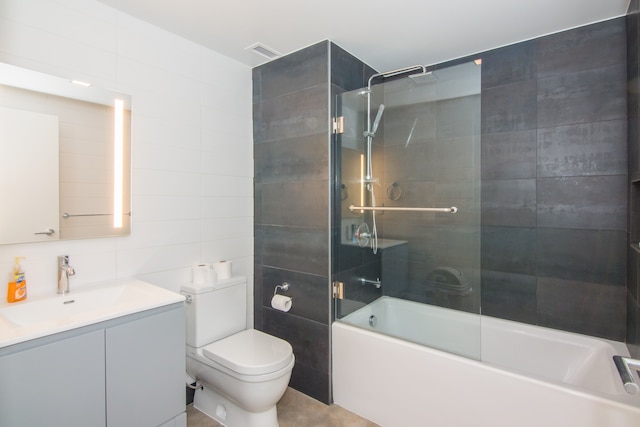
[241, 373]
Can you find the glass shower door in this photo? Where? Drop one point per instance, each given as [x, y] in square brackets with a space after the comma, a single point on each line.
[425, 154]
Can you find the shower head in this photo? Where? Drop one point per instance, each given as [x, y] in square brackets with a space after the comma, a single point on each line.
[376, 121]
[397, 72]
[421, 78]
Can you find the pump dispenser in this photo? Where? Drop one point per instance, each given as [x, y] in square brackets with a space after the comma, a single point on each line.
[17, 287]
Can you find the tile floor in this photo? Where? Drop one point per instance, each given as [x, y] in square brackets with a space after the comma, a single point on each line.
[295, 409]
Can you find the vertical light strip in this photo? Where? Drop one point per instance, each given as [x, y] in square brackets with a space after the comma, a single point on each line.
[361, 181]
[118, 148]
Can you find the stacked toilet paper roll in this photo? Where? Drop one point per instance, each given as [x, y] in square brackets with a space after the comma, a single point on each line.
[222, 269]
[281, 302]
[203, 275]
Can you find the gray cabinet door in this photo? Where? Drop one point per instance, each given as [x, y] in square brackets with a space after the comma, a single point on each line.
[145, 370]
[60, 384]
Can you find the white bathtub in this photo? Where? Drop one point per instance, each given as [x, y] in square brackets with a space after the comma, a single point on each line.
[528, 376]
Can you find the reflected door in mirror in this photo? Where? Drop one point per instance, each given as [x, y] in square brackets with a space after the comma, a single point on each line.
[28, 176]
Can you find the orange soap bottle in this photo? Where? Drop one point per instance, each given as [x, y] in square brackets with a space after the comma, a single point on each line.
[17, 287]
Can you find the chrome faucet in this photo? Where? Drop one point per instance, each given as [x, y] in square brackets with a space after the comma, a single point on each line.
[64, 272]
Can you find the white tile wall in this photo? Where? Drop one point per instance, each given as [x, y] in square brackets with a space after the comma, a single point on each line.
[192, 142]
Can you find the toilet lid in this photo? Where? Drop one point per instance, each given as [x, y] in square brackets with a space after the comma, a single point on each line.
[250, 352]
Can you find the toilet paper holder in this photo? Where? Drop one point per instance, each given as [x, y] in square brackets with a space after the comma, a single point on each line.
[284, 287]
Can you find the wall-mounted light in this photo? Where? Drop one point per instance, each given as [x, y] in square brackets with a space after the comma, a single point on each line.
[362, 181]
[118, 167]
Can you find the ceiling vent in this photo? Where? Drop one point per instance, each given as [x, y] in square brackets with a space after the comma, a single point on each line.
[263, 50]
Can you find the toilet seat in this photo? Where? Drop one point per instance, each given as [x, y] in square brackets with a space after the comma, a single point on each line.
[250, 352]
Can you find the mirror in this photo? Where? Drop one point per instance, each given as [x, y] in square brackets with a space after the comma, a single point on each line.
[65, 158]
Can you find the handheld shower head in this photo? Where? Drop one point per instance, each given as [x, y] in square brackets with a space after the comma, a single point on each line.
[376, 121]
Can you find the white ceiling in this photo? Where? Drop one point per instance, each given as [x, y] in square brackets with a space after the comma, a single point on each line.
[384, 34]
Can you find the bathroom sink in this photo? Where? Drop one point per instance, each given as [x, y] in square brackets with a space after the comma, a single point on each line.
[38, 317]
[59, 307]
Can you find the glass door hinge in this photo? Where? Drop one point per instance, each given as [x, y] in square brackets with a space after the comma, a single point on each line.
[338, 125]
[338, 290]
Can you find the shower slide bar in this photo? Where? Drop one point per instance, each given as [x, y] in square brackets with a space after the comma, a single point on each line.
[452, 209]
[624, 366]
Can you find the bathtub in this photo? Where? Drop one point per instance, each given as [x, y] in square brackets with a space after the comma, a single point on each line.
[526, 376]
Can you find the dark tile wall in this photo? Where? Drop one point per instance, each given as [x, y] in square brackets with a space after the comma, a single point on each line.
[554, 193]
[633, 109]
[292, 103]
[554, 181]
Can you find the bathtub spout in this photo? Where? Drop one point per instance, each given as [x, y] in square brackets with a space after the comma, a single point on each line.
[377, 283]
[624, 366]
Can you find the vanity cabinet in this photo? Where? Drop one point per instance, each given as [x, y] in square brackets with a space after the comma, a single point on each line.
[124, 372]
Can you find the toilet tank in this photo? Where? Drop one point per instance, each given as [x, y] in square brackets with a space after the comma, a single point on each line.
[216, 311]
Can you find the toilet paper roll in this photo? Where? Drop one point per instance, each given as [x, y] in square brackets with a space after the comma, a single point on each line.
[203, 275]
[222, 269]
[281, 302]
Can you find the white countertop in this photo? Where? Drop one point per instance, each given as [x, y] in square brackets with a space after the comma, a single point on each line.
[41, 316]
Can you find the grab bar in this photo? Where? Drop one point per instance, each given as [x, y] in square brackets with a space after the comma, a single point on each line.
[452, 209]
[624, 366]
